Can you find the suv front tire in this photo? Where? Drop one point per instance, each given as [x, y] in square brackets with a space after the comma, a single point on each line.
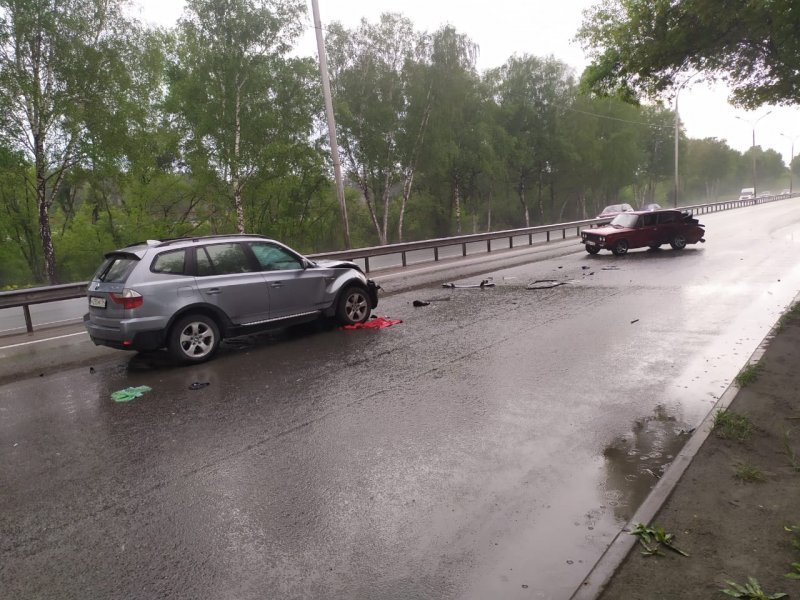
[353, 306]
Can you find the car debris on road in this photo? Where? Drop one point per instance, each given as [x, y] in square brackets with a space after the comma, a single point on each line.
[374, 323]
[130, 393]
[483, 284]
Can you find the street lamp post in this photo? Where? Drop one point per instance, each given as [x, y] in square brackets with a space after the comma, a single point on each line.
[753, 147]
[791, 160]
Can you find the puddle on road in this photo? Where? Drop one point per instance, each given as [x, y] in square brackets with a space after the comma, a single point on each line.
[636, 460]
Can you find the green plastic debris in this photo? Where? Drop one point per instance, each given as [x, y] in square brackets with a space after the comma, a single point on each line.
[129, 394]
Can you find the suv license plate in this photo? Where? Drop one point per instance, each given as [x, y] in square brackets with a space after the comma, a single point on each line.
[591, 243]
[97, 302]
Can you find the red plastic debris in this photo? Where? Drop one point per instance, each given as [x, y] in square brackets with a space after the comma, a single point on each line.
[376, 323]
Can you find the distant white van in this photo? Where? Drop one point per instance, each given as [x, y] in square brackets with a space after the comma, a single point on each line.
[747, 193]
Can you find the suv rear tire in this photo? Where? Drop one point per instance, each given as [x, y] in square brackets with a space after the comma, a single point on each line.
[353, 306]
[193, 339]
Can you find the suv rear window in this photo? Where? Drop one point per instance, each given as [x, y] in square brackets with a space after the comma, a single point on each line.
[173, 262]
[116, 268]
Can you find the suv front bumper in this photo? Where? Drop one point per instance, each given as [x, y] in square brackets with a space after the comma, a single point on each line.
[372, 290]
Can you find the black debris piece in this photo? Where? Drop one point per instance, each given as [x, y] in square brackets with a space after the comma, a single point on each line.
[91, 369]
[634, 321]
[420, 303]
[199, 385]
[585, 267]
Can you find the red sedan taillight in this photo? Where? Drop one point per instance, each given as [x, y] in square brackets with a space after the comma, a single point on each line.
[128, 299]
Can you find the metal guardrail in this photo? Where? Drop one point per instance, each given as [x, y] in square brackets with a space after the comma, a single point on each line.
[404, 248]
[40, 295]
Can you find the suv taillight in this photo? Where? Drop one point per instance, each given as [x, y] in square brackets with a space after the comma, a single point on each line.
[128, 299]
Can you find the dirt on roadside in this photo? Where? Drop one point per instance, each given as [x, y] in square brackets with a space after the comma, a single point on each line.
[730, 509]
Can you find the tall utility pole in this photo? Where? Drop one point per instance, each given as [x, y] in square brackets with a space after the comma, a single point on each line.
[791, 160]
[326, 93]
[753, 148]
[675, 200]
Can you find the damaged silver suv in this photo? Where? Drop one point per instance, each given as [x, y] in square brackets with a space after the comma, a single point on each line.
[188, 294]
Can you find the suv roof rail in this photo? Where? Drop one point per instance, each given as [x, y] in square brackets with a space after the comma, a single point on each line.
[197, 238]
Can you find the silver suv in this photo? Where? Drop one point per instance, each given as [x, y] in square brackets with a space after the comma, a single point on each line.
[188, 294]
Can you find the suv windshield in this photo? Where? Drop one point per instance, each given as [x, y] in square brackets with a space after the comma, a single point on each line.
[625, 220]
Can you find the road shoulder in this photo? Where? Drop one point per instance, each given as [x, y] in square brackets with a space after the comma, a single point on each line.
[732, 528]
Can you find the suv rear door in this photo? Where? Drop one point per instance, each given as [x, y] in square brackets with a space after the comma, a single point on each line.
[228, 278]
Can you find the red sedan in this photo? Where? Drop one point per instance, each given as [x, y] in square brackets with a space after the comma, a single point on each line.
[644, 229]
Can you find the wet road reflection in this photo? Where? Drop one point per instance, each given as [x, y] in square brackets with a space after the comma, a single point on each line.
[636, 460]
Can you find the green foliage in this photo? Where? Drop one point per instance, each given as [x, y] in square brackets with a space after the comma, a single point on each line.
[791, 453]
[644, 47]
[712, 170]
[730, 425]
[244, 106]
[795, 531]
[749, 473]
[751, 590]
[74, 82]
[143, 143]
[747, 375]
[383, 99]
[653, 538]
[791, 314]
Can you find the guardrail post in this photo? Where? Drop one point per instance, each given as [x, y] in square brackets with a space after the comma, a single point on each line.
[510, 242]
[488, 245]
[436, 254]
[464, 249]
[530, 239]
[548, 236]
[563, 234]
[403, 258]
[28, 323]
[366, 264]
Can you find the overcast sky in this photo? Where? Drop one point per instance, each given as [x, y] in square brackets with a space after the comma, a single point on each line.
[540, 28]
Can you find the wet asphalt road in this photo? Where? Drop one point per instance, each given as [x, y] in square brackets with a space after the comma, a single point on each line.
[489, 446]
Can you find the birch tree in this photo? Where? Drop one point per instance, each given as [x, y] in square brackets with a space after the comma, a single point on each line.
[68, 74]
[241, 101]
[381, 126]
